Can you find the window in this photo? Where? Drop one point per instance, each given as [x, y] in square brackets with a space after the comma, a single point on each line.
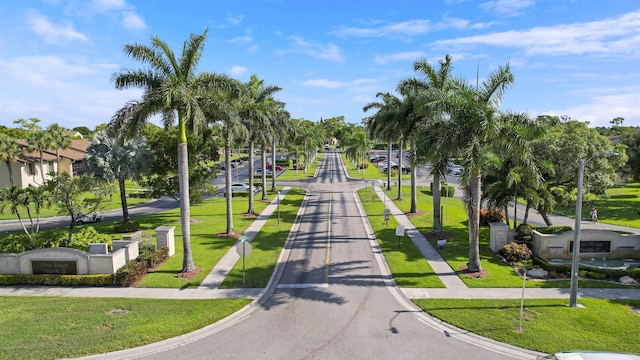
[31, 169]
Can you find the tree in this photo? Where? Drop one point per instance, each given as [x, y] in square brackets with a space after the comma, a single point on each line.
[14, 197]
[427, 89]
[59, 140]
[617, 121]
[38, 139]
[280, 125]
[480, 129]
[70, 194]
[557, 155]
[10, 150]
[113, 157]
[257, 112]
[171, 88]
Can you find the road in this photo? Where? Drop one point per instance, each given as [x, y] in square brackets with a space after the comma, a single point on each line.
[333, 298]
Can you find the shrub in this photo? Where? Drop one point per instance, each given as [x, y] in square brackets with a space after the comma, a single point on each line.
[120, 227]
[491, 215]
[514, 252]
[137, 268]
[523, 232]
[553, 229]
[444, 189]
[58, 280]
[87, 235]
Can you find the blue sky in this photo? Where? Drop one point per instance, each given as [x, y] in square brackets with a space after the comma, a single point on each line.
[574, 58]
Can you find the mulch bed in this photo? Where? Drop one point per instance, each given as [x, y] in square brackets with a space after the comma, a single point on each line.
[477, 275]
[419, 213]
[189, 275]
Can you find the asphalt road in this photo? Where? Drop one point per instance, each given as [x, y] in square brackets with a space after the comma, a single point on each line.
[333, 298]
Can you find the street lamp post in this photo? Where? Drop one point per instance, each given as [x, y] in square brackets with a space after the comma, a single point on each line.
[575, 260]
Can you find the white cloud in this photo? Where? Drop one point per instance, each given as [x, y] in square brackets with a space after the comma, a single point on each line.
[235, 20]
[403, 56]
[508, 7]
[51, 33]
[610, 36]
[324, 83]
[108, 5]
[328, 51]
[237, 70]
[132, 21]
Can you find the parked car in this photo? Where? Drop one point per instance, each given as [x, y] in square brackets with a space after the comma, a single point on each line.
[379, 159]
[238, 188]
[88, 218]
[258, 172]
[278, 167]
[405, 169]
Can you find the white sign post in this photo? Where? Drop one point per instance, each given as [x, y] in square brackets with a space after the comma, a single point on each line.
[399, 233]
[387, 215]
[243, 249]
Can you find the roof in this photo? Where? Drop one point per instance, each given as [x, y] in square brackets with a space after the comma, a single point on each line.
[76, 152]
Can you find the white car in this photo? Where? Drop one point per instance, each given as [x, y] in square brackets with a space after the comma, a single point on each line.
[238, 188]
[88, 218]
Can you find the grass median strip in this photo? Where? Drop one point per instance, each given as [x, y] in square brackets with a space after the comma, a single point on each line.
[548, 325]
[55, 327]
[408, 266]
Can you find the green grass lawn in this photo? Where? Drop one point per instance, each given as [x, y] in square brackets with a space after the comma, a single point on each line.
[456, 252]
[621, 206]
[58, 327]
[548, 325]
[291, 173]
[409, 267]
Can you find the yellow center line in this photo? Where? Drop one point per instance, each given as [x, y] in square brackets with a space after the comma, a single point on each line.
[326, 268]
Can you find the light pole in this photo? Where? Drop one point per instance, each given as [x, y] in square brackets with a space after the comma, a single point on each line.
[278, 207]
[575, 259]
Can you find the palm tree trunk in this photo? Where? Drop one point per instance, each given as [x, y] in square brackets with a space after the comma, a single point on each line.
[251, 210]
[10, 170]
[389, 145]
[414, 189]
[42, 167]
[473, 211]
[400, 170]
[437, 214]
[274, 188]
[515, 209]
[263, 158]
[123, 201]
[227, 181]
[185, 212]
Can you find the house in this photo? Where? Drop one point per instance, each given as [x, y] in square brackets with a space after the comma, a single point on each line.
[26, 169]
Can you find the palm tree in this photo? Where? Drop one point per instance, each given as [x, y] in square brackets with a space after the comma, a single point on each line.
[10, 149]
[280, 125]
[171, 88]
[38, 140]
[427, 89]
[480, 129]
[256, 115]
[113, 157]
[59, 140]
[14, 196]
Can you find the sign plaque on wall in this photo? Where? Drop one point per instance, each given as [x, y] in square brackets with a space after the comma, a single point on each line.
[54, 267]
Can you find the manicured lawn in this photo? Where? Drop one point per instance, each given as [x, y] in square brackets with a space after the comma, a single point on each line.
[58, 327]
[409, 267]
[549, 324]
[456, 252]
[292, 174]
[266, 246]
[620, 207]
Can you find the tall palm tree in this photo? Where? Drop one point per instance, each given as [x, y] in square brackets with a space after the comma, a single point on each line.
[256, 115]
[427, 89]
[38, 140]
[10, 149]
[171, 88]
[113, 157]
[280, 125]
[60, 140]
[481, 129]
